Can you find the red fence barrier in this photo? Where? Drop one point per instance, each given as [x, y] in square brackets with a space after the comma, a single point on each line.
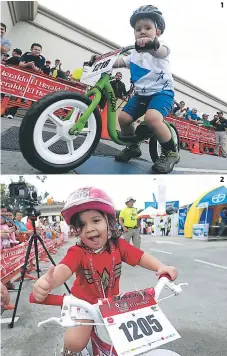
[12, 259]
[190, 133]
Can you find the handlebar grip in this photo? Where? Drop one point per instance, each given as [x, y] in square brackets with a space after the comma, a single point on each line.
[150, 45]
[165, 275]
[52, 299]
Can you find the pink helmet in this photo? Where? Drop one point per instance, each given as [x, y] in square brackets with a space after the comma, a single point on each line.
[88, 198]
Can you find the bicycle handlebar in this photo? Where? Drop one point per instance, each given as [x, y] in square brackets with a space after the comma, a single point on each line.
[53, 299]
[68, 302]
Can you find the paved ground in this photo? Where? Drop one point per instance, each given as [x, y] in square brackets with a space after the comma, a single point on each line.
[199, 314]
[14, 163]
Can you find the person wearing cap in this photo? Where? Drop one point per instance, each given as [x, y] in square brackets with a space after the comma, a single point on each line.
[220, 125]
[204, 120]
[128, 219]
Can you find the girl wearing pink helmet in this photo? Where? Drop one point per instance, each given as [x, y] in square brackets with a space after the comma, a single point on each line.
[96, 259]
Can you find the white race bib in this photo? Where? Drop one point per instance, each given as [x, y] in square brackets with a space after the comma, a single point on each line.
[137, 325]
[103, 64]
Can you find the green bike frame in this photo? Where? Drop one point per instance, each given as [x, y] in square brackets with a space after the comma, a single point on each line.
[103, 85]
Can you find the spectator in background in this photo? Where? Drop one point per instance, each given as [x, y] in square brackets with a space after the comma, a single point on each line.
[3, 210]
[68, 75]
[77, 74]
[46, 68]
[5, 57]
[223, 223]
[11, 224]
[15, 59]
[204, 120]
[23, 231]
[5, 44]
[33, 60]
[57, 66]
[220, 125]
[119, 87]
[192, 116]
[179, 110]
[5, 232]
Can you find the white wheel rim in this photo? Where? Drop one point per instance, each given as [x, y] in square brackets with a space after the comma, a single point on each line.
[61, 133]
[175, 138]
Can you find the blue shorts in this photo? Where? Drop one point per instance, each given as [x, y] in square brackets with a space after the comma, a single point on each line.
[138, 105]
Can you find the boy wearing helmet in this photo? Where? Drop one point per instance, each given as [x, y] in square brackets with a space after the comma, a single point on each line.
[96, 260]
[153, 81]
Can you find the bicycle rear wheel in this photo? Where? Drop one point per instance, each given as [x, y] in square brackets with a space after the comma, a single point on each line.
[155, 148]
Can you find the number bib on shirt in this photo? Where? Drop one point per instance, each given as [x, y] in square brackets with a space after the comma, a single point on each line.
[103, 64]
[136, 325]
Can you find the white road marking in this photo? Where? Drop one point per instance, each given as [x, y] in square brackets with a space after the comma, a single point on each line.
[211, 264]
[200, 170]
[168, 242]
[8, 320]
[168, 253]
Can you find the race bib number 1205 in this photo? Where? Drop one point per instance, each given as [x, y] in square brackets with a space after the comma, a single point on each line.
[137, 331]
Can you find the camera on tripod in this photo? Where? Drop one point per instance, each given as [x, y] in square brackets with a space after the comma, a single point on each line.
[20, 191]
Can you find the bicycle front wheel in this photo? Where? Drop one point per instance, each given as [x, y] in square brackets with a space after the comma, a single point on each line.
[44, 134]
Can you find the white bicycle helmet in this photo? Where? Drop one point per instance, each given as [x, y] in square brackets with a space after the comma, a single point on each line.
[151, 12]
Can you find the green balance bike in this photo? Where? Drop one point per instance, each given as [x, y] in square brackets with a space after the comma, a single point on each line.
[62, 130]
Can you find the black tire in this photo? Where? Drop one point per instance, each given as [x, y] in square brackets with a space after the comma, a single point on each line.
[153, 144]
[27, 130]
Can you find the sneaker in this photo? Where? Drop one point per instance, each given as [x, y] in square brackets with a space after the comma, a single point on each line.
[10, 117]
[128, 153]
[166, 162]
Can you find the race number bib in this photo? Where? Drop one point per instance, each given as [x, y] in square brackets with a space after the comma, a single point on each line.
[103, 64]
[137, 325]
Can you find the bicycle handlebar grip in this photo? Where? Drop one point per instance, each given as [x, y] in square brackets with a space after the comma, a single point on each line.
[165, 275]
[52, 299]
[155, 44]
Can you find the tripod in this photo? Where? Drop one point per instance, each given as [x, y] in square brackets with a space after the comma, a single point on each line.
[34, 238]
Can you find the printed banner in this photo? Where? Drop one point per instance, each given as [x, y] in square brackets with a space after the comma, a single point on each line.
[13, 258]
[182, 218]
[19, 83]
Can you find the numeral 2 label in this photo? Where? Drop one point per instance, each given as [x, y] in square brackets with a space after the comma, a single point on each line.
[147, 326]
[101, 65]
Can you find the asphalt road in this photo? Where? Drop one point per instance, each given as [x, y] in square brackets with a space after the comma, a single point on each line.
[12, 162]
[199, 314]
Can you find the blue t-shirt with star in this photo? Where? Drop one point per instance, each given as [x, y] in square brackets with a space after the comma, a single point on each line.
[149, 75]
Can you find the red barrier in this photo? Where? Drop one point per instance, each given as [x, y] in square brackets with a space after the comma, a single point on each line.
[191, 133]
[12, 259]
[25, 84]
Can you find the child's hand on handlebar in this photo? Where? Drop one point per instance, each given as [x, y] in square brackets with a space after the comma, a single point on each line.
[141, 42]
[43, 286]
[171, 271]
[93, 59]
